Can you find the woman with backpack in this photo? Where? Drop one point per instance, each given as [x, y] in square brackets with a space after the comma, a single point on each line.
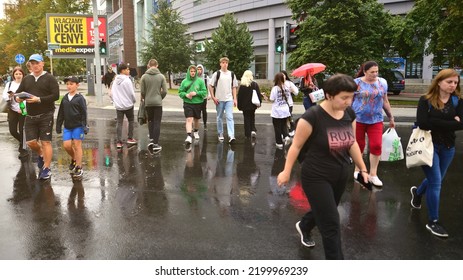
[327, 131]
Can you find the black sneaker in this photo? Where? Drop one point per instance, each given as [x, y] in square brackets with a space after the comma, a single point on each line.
[306, 239]
[72, 166]
[151, 148]
[77, 172]
[157, 148]
[437, 229]
[416, 199]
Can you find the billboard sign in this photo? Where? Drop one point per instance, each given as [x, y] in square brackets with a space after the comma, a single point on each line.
[74, 34]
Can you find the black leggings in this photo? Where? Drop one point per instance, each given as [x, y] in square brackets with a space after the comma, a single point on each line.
[324, 194]
[204, 111]
[249, 117]
[280, 127]
[16, 124]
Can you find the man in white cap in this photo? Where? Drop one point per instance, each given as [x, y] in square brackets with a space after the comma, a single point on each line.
[43, 91]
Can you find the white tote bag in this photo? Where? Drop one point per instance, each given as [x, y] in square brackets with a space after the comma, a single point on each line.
[391, 147]
[255, 99]
[317, 95]
[420, 149]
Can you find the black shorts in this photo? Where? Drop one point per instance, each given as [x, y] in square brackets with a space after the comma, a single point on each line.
[192, 110]
[39, 127]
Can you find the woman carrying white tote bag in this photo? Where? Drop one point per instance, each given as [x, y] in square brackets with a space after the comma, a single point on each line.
[440, 110]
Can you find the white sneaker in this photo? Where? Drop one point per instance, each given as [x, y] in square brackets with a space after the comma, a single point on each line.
[232, 140]
[287, 141]
[375, 181]
[221, 137]
[356, 173]
[196, 135]
[291, 133]
[188, 139]
[253, 134]
[279, 146]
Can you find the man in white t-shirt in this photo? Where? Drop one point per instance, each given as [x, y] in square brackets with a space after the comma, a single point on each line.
[222, 87]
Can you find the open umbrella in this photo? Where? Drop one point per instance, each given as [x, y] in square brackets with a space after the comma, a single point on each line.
[308, 68]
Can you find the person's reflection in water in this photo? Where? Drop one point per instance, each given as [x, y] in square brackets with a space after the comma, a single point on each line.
[193, 187]
[126, 192]
[80, 224]
[221, 184]
[368, 224]
[248, 173]
[277, 196]
[77, 193]
[46, 232]
[154, 198]
[24, 180]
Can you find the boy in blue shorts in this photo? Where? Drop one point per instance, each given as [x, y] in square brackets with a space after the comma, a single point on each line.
[73, 112]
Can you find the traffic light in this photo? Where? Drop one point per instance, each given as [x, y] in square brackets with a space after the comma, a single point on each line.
[279, 45]
[103, 49]
[292, 37]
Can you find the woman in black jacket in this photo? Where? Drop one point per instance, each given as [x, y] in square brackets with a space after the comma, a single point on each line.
[245, 104]
[441, 111]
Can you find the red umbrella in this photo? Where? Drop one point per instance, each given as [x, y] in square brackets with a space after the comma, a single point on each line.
[308, 68]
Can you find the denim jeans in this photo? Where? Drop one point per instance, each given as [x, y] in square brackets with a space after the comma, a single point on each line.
[227, 107]
[431, 186]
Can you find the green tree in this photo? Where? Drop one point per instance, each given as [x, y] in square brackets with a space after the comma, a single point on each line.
[342, 34]
[23, 30]
[232, 40]
[433, 27]
[168, 41]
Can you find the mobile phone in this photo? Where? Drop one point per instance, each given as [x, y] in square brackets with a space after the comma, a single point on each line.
[360, 180]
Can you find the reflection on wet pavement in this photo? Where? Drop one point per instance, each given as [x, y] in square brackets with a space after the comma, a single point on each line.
[215, 201]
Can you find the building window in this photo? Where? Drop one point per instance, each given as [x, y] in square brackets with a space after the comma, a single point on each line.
[260, 64]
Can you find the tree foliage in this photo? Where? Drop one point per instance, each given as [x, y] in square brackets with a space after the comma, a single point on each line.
[433, 27]
[168, 41]
[232, 40]
[24, 31]
[342, 34]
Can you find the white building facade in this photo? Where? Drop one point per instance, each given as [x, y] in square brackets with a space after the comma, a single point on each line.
[265, 20]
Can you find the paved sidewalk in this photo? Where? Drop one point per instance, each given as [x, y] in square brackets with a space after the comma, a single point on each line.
[173, 103]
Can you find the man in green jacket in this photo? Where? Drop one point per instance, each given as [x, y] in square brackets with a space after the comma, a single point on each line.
[192, 90]
[153, 89]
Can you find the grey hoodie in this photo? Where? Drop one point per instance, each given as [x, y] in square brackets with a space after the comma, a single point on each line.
[153, 87]
[123, 93]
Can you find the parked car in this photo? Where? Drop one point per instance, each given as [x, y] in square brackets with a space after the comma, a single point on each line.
[395, 80]
[178, 78]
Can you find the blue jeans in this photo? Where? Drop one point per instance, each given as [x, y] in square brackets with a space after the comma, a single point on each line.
[307, 103]
[227, 107]
[431, 186]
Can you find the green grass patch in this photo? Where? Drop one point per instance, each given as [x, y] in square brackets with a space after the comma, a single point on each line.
[404, 103]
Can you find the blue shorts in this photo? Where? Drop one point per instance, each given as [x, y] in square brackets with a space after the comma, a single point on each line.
[76, 133]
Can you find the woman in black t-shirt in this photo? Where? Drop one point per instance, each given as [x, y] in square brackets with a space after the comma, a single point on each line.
[329, 131]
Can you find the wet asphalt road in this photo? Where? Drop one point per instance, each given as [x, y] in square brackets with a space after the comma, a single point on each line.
[215, 202]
